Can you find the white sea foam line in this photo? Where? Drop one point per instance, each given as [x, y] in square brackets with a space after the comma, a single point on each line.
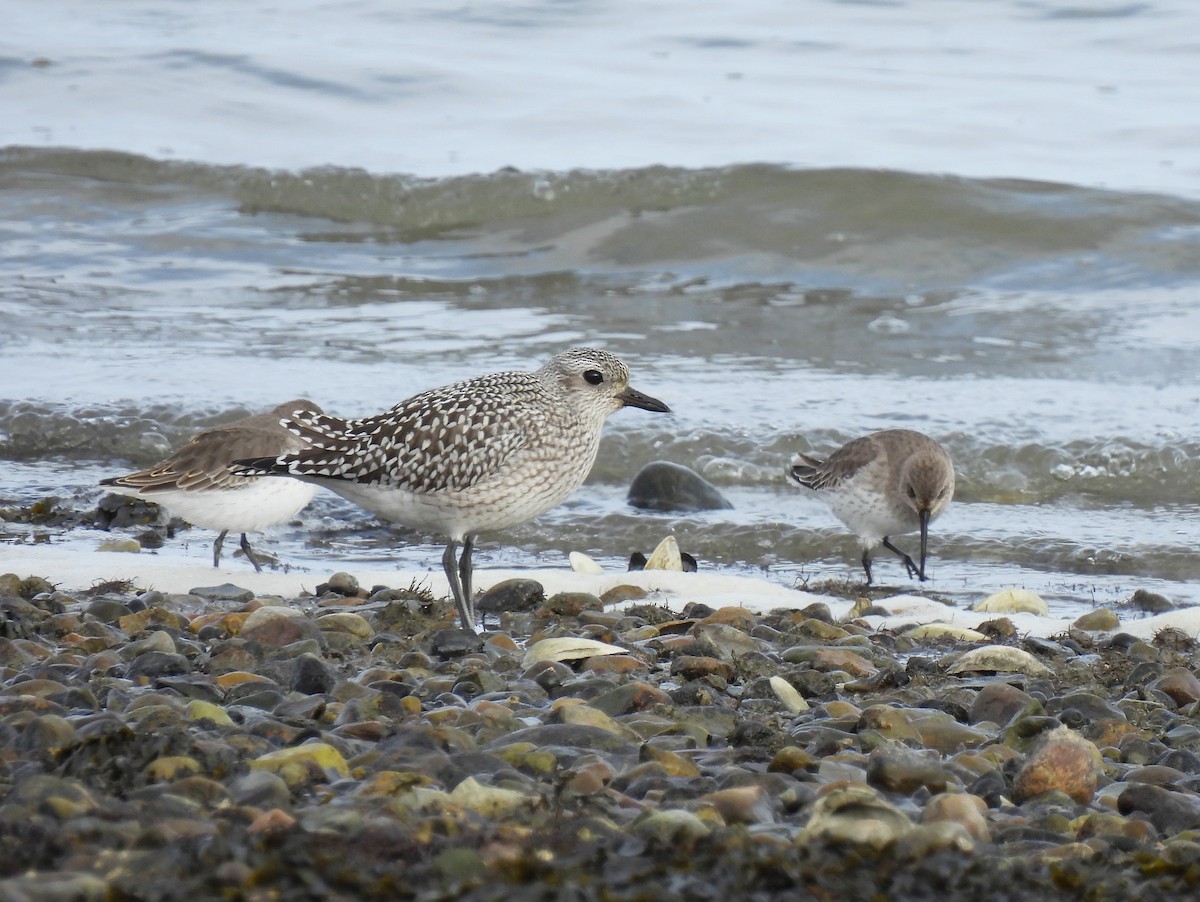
[74, 570]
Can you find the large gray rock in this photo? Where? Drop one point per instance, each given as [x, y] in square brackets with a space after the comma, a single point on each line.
[664, 486]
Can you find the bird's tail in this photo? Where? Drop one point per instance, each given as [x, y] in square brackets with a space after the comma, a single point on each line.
[804, 469]
[251, 467]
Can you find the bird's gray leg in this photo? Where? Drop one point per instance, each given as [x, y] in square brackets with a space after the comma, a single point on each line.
[866, 562]
[217, 547]
[464, 573]
[909, 564]
[250, 554]
[450, 565]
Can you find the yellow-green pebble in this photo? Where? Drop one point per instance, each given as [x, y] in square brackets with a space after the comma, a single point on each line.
[295, 764]
[198, 709]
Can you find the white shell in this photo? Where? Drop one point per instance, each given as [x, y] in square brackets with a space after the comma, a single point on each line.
[786, 693]
[581, 563]
[1013, 601]
[944, 631]
[568, 649]
[1001, 659]
[666, 556]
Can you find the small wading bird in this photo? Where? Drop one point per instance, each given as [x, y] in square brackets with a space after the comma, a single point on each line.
[483, 454]
[883, 484]
[197, 484]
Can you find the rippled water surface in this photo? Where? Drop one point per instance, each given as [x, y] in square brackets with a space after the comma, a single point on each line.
[1041, 320]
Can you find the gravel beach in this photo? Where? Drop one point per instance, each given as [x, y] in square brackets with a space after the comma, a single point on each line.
[352, 743]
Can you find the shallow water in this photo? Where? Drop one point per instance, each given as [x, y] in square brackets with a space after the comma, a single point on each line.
[1045, 331]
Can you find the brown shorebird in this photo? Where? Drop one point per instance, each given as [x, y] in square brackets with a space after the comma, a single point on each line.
[881, 485]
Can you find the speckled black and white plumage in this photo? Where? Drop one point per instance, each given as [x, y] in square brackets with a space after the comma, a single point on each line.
[483, 454]
[197, 483]
[883, 484]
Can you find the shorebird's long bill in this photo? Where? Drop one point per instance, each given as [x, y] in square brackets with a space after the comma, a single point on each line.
[923, 515]
[631, 397]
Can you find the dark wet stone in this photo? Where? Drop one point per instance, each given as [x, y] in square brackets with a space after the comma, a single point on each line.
[1170, 812]
[757, 735]
[573, 736]
[904, 770]
[1045, 648]
[694, 667]
[224, 592]
[550, 675]
[192, 686]
[812, 684]
[818, 610]
[344, 584]
[255, 696]
[1180, 684]
[308, 707]
[887, 678]
[310, 675]
[261, 789]
[454, 642]
[633, 696]
[154, 664]
[107, 610]
[1076, 709]
[511, 595]
[572, 604]
[1184, 736]
[77, 698]
[954, 708]
[1001, 702]
[1158, 774]
[231, 655]
[1185, 760]
[1024, 731]
[1137, 750]
[1143, 674]
[1150, 602]
[665, 486]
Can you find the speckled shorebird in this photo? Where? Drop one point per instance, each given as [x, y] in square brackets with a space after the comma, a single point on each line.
[197, 484]
[478, 455]
[883, 484]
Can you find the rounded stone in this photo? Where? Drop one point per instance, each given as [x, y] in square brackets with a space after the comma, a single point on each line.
[1180, 684]
[277, 626]
[511, 595]
[961, 808]
[1061, 760]
[904, 770]
[1099, 620]
[340, 583]
[696, 667]
[665, 486]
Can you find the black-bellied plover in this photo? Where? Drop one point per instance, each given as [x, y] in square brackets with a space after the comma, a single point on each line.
[883, 484]
[197, 484]
[482, 454]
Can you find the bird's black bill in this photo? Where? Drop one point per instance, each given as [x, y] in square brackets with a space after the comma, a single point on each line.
[631, 397]
[924, 518]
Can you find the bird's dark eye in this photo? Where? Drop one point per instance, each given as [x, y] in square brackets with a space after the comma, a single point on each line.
[593, 377]
[912, 493]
